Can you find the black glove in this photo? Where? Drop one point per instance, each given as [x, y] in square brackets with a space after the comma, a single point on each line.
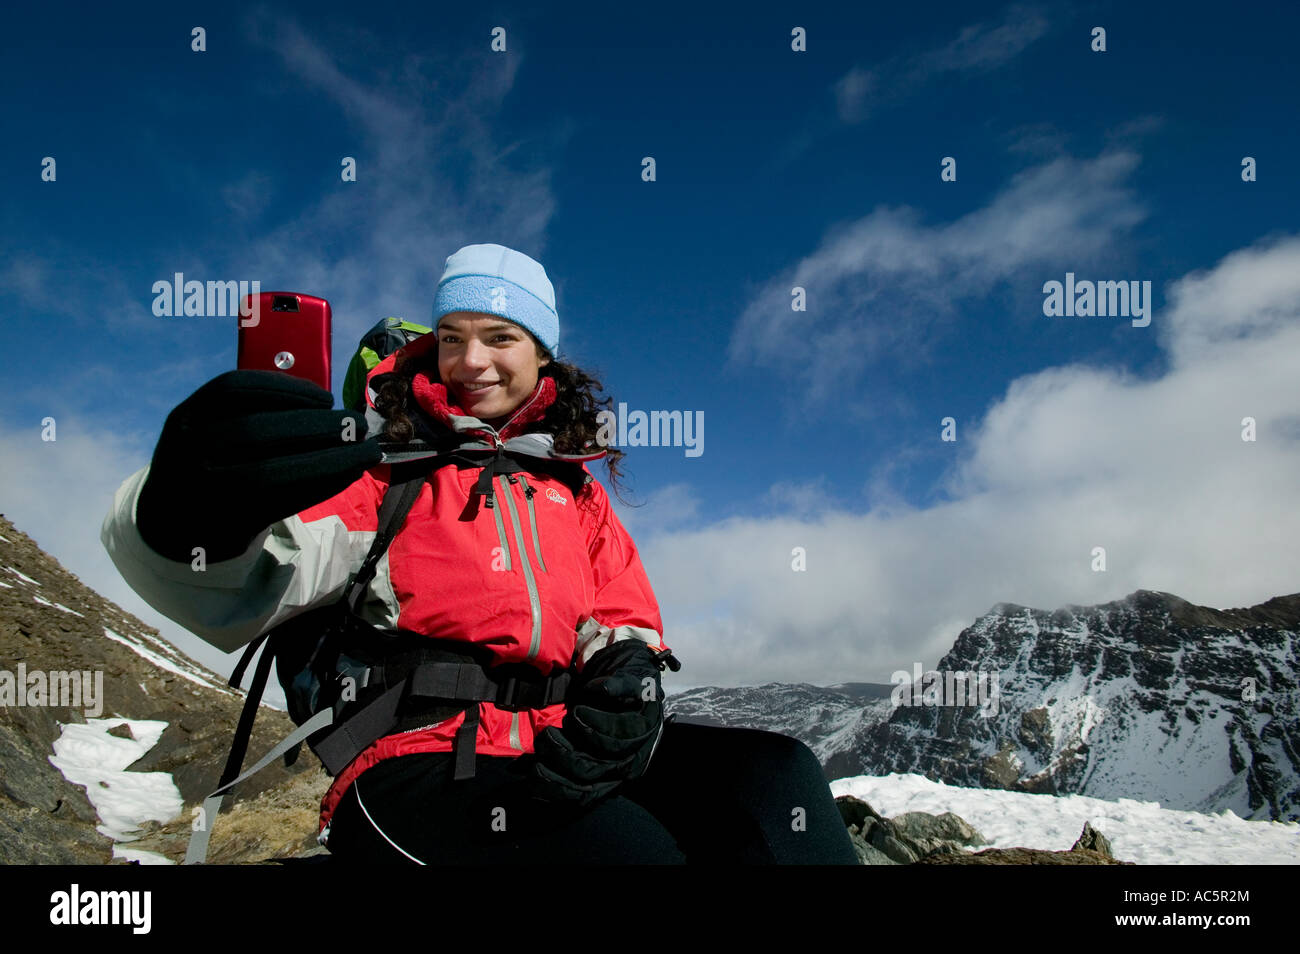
[243, 451]
[611, 728]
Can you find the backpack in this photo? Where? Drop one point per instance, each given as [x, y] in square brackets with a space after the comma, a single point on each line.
[376, 345]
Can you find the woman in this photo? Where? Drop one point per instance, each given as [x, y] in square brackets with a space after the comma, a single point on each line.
[524, 567]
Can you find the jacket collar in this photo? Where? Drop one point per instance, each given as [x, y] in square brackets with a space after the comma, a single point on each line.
[434, 399]
[435, 415]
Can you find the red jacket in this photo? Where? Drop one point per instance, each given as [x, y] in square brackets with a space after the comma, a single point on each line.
[543, 578]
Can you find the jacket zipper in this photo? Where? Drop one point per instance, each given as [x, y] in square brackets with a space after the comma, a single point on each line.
[532, 522]
[535, 643]
[501, 535]
[534, 602]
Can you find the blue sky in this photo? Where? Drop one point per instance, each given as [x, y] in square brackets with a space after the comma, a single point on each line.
[774, 169]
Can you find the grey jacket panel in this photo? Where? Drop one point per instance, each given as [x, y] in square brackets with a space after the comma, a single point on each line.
[289, 568]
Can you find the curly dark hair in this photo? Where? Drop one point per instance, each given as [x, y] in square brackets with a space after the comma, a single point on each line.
[571, 418]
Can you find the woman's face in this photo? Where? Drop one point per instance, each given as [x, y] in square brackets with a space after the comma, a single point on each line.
[475, 348]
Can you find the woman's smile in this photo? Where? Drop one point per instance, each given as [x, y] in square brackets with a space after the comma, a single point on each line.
[473, 345]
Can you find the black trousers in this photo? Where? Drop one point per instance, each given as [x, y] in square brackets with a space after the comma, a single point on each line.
[711, 795]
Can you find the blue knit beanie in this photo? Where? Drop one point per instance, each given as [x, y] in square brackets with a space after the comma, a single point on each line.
[499, 281]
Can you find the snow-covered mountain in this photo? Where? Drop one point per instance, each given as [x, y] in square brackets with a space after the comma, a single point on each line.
[829, 720]
[1149, 697]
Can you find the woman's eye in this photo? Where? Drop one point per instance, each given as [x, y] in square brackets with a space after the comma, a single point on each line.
[503, 336]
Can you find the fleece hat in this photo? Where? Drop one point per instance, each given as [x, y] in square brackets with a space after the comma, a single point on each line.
[499, 281]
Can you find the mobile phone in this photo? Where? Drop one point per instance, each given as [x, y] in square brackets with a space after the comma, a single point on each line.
[286, 331]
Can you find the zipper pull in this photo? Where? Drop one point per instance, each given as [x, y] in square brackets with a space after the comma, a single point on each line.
[512, 478]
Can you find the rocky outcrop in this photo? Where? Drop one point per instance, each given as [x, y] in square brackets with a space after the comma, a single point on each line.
[1146, 698]
[922, 838]
[51, 622]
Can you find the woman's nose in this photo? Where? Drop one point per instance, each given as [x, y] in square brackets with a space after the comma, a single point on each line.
[476, 354]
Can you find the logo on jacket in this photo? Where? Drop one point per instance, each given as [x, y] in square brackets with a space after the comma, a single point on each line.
[553, 494]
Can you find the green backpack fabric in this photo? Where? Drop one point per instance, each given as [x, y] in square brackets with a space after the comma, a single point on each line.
[376, 345]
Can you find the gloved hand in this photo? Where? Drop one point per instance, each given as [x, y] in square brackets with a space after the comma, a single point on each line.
[611, 728]
[246, 449]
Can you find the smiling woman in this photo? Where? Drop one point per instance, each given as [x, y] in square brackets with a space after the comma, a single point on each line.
[508, 625]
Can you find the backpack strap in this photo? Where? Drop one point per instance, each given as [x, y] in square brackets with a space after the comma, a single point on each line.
[392, 515]
[398, 500]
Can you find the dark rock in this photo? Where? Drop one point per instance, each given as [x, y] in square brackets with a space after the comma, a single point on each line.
[1092, 840]
[1023, 856]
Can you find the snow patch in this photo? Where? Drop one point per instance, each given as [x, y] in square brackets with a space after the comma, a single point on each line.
[88, 756]
[160, 661]
[1141, 832]
[23, 576]
[58, 606]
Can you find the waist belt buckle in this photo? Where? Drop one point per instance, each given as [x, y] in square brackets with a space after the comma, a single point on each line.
[508, 694]
[517, 693]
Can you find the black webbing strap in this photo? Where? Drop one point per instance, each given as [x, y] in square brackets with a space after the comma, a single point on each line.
[237, 674]
[244, 728]
[427, 683]
[348, 740]
[491, 467]
[392, 514]
[447, 680]
[461, 682]
[465, 745]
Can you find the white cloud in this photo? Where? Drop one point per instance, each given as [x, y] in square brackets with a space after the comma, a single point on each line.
[1251, 293]
[669, 506]
[877, 286]
[1070, 458]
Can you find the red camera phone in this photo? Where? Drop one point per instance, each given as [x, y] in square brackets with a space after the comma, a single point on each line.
[285, 331]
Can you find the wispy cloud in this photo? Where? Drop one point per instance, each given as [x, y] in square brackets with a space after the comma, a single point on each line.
[878, 285]
[978, 48]
[434, 172]
[247, 197]
[26, 277]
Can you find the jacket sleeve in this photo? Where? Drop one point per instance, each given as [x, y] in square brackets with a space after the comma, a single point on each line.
[296, 564]
[625, 606]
